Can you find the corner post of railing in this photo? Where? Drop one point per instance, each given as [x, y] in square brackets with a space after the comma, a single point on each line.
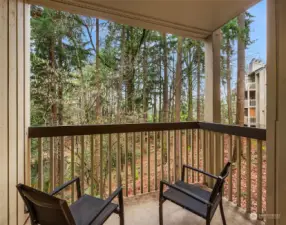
[212, 95]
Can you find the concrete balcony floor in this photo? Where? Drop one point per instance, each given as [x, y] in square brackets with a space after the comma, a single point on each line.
[144, 210]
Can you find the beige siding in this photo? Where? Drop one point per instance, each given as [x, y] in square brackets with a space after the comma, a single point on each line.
[14, 57]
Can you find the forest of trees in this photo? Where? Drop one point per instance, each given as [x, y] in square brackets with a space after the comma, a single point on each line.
[89, 71]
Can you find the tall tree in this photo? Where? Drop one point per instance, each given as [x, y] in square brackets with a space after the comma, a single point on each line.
[230, 32]
[243, 41]
[178, 93]
[240, 71]
[121, 73]
[198, 62]
[97, 80]
[145, 82]
[166, 81]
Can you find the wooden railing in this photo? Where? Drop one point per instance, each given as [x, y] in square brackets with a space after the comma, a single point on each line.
[138, 156]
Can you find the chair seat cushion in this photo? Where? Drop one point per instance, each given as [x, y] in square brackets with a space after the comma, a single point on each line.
[87, 207]
[188, 202]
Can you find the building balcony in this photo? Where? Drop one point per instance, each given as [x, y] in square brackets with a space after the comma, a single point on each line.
[249, 103]
[252, 120]
[250, 86]
[138, 156]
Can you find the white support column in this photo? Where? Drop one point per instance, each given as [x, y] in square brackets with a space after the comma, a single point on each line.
[212, 96]
[14, 76]
[276, 108]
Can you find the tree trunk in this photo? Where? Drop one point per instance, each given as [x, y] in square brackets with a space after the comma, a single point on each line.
[240, 80]
[155, 106]
[228, 81]
[178, 92]
[97, 79]
[190, 89]
[160, 92]
[130, 71]
[198, 82]
[145, 80]
[121, 74]
[52, 64]
[54, 109]
[98, 111]
[165, 85]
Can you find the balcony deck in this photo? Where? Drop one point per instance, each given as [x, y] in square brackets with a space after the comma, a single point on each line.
[143, 209]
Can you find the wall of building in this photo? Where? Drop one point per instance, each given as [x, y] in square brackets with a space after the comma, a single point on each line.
[14, 72]
[259, 94]
[261, 98]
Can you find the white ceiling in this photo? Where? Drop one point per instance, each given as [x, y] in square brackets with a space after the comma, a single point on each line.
[192, 18]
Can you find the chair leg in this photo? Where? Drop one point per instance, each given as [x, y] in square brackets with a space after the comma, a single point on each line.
[222, 213]
[208, 221]
[121, 208]
[121, 217]
[161, 212]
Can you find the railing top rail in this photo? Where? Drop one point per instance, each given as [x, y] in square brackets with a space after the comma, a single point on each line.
[77, 130]
[249, 132]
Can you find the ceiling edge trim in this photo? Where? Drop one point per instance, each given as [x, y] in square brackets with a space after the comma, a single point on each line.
[122, 17]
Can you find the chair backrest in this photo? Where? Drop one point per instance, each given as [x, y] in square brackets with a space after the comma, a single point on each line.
[45, 209]
[217, 190]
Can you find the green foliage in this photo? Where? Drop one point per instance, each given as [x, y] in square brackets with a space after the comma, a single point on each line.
[128, 79]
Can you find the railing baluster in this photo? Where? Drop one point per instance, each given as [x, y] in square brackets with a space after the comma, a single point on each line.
[155, 159]
[62, 163]
[126, 164]
[187, 155]
[118, 161]
[101, 188]
[204, 145]
[28, 163]
[230, 171]
[82, 164]
[222, 155]
[40, 164]
[162, 154]
[134, 162]
[248, 175]
[259, 179]
[193, 155]
[141, 161]
[148, 153]
[222, 151]
[52, 186]
[168, 156]
[72, 165]
[175, 155]
[198, 152]
[109, 164]
[180, 153]
[92, 165]
[238, 176]
[209, 158]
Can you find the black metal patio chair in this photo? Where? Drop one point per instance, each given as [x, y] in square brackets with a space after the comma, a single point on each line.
[46, 209]
[194, 198]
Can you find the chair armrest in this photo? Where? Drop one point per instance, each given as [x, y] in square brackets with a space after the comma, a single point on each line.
[196, 197]
[117, 192]
[197, 170]
[65, 185]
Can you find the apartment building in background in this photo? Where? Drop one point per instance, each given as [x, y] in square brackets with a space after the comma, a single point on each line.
[255, 95]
